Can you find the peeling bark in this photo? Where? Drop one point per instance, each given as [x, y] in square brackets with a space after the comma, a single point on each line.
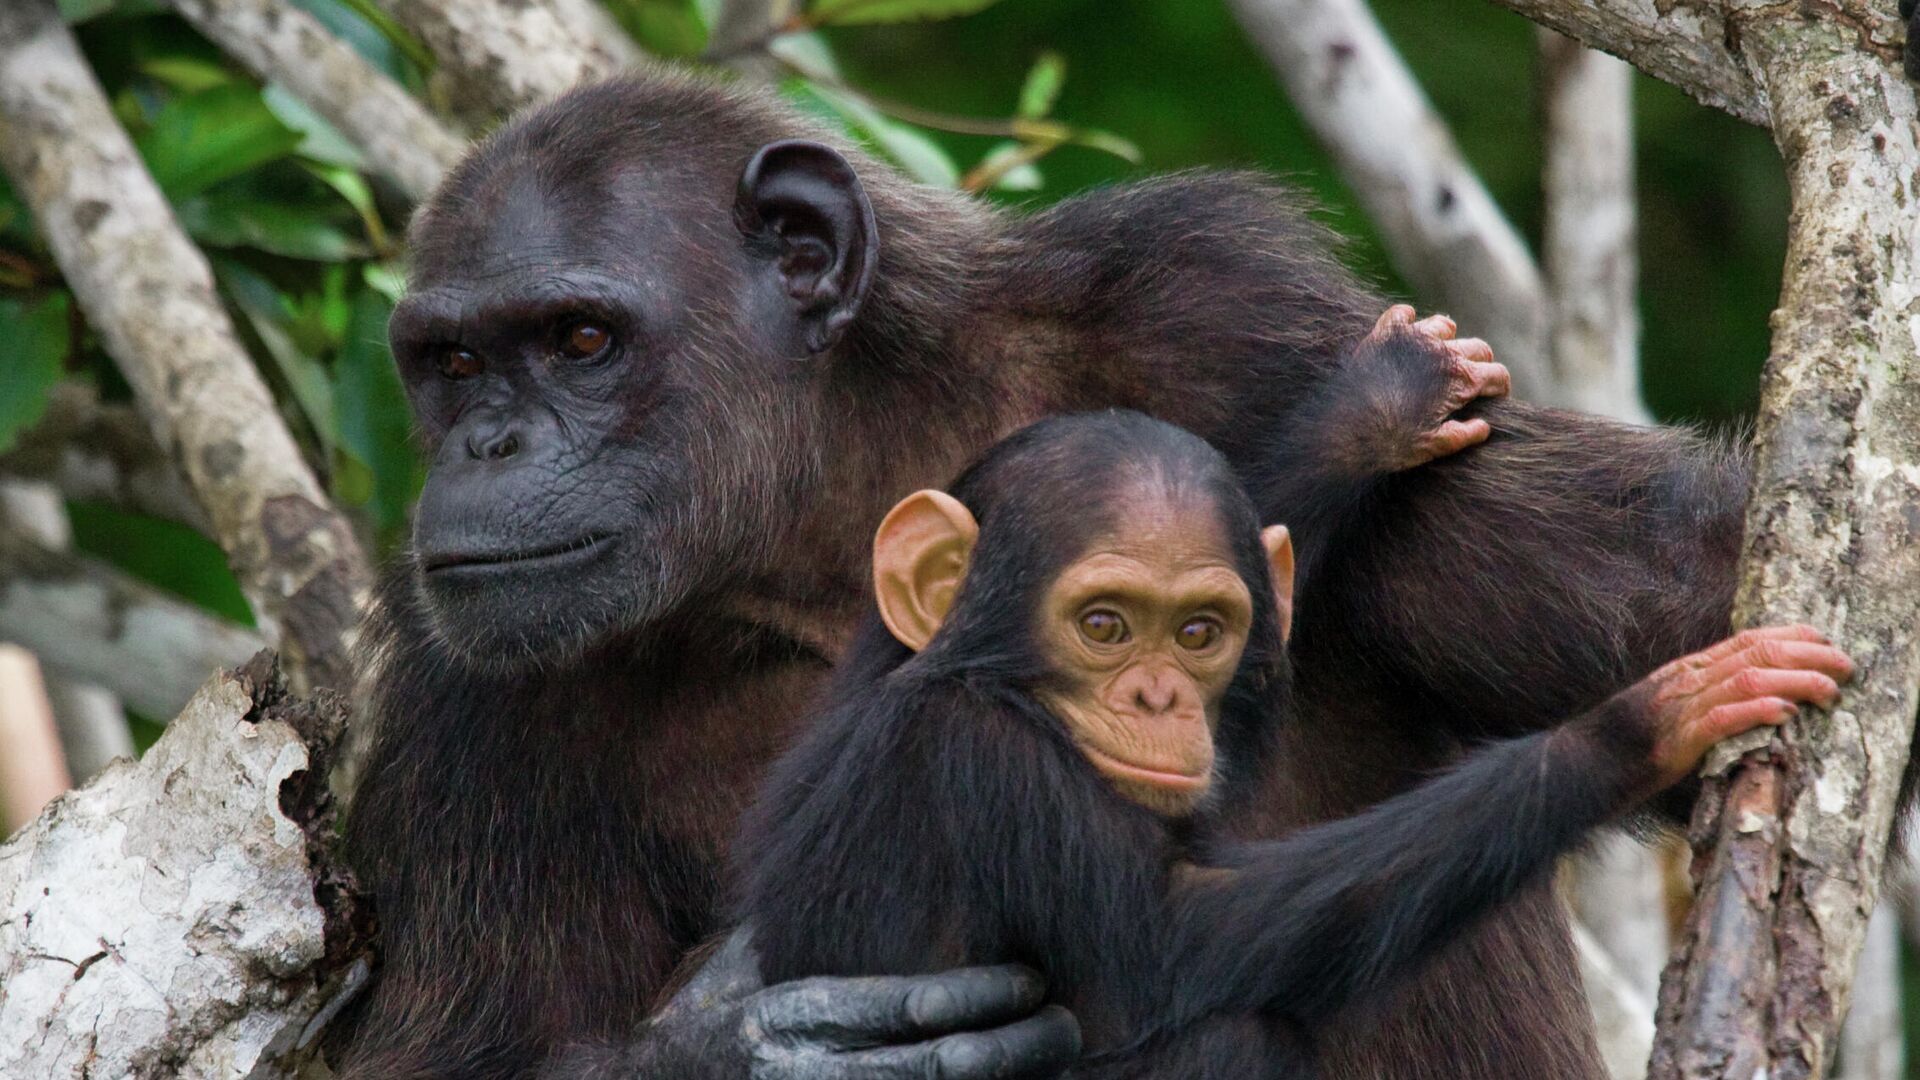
[1442, 229]
[1588, 246]
[1790, 840]
[497, 56]
[183, 916]
[279, 42]
[150, 295]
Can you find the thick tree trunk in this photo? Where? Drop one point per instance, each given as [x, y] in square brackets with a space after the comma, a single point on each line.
[149, 293]
[182, 916]
[1790, 841]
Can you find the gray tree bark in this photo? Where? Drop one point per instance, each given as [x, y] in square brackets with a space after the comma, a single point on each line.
[498, 56]
[1790, 838]
[149, 293]
[183, 916]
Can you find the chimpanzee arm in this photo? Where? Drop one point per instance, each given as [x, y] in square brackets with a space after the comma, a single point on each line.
[1389, 407]
[1307, 924]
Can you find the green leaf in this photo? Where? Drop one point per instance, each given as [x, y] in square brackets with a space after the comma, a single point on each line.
[1107, 142]
[200, 139]
[319, 140]
[916, 154]
[859, 12]
[352, 187]
[807, 54]
[1041, 91]
[1021, 176]
[671, 28]
[266, 314]
[295, 230]
[374, 424]
[79, 11]
[373, 34]
[187, 74]
[36, 347]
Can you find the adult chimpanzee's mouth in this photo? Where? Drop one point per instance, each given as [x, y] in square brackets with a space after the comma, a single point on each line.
[576, 550]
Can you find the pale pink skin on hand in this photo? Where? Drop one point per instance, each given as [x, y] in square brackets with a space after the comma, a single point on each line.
[1475, 375]
[1756, 677]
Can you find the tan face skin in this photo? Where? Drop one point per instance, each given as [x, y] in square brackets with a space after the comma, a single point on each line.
[1145, 631]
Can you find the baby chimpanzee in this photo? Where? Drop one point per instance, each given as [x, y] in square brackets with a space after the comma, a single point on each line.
[1080, 657]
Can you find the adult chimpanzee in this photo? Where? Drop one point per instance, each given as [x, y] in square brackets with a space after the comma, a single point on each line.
[671, 350]
[1076, 651]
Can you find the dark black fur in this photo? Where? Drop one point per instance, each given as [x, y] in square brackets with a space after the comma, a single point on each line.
[561, 754]
[938, 814]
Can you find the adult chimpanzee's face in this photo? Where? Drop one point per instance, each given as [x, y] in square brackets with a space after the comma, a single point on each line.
[609, 377]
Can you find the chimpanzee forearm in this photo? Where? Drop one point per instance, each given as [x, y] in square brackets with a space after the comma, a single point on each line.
[1306, 924]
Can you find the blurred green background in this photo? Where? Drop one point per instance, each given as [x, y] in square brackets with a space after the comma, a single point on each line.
[306, 245]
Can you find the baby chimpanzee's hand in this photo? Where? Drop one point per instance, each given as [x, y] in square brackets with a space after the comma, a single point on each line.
[1755, 677]
[1475, 375]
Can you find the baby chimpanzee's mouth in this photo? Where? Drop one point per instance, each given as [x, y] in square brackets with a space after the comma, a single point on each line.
[575, 550]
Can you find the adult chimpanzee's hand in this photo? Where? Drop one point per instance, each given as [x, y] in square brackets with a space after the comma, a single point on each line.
[981, 1023]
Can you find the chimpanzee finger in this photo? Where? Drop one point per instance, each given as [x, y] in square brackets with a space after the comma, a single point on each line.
[1452, 437]
[882, 1009]
[1740, 642]
[1396, 316]
[1437, 326]
[1471, 348]
[1792, 685]
[1743, 716]
[1041, 1046]
[1782, 654]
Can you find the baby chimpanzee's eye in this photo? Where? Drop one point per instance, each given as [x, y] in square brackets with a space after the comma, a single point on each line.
[1103, 627]
[1198, 635]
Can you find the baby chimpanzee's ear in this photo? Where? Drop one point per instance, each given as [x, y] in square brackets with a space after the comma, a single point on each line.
[1279, 545]
[919, 556]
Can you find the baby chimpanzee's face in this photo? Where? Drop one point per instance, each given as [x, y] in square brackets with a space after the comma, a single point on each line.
[1144, 632]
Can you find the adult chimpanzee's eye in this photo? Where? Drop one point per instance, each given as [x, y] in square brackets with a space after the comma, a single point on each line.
[1198, 635]
[585, 340]
[1103, 627]
[458, 363]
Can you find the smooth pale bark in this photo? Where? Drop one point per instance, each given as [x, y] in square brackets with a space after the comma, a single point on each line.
[93, 624]
[94, 452]
[1790, 839]
[149, 293]
[1442, 229]
[183, 916]
[498, 56]
[1591, 228]
[92, 725]
[281, 43]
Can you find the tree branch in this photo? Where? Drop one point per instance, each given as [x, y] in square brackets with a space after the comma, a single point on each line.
[497, 56]
[1591, 264]
[150, 295]
[184, 915]
[279, 42]
[1622, 1016]
[90, 622]
[102, 453]
[1683, 42]
[1790, 843]
[1442, 229]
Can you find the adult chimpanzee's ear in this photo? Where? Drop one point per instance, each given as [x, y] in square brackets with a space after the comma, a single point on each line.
[1279, 545]
[805, 198]
[919, 556]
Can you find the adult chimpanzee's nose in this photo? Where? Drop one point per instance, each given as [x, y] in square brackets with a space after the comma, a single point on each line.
[494, 438]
